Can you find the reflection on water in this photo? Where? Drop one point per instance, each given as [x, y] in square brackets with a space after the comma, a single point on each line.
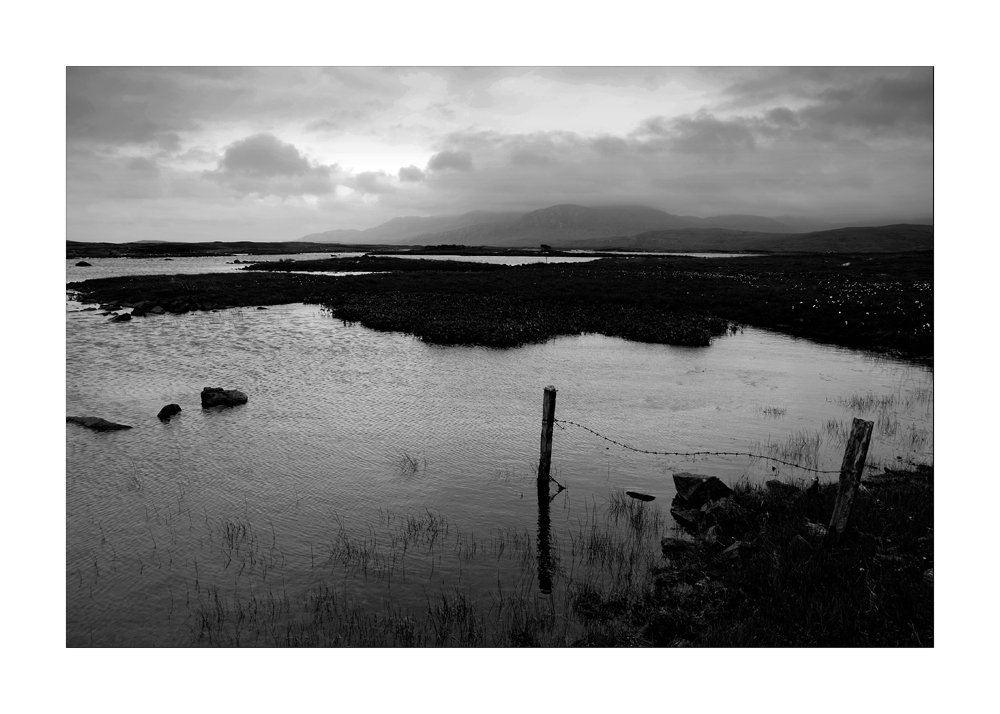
[544, 539]
[117, 267]
[302, 487]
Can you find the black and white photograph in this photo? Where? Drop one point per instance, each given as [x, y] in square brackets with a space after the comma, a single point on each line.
[499, 356]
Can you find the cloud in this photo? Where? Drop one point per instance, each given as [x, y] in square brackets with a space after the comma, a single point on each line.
[899, 104]
[525, 157]
[453, 160]
[411, 174]
[156, 145]
[374, 182]
[265, 165]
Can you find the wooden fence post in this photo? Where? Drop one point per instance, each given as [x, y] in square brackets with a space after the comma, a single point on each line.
[548, 417]
[850, 475]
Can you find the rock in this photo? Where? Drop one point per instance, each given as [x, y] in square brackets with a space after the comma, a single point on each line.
[96, 423]
[688, 518]
[929, 577]
[632, 494]
[84, 264]
[674, 546]
[218, 397]
[124, 317]
[694, 491]
[158, 310]
[815, 531]
[168, 411]
[88, 309]
[261, 308]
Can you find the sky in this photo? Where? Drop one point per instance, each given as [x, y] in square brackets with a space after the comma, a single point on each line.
[275, 153]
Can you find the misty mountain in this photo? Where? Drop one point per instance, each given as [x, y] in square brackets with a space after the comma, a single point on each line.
[398, 230]
[568, 223]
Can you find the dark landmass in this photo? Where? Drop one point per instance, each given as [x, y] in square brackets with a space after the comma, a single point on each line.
[761, 577]
[372, 263]
[867, 239]
[864, 239]
[878, 302]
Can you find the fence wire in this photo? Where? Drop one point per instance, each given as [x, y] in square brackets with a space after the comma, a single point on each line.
[691, 453]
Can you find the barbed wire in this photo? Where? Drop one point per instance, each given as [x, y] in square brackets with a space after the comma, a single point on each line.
[691, 453]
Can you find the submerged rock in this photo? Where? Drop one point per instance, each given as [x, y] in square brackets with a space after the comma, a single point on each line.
[83, 264]
[640, 496]
[219, 397]
[168, 411]
[124, 317]
[96, 423]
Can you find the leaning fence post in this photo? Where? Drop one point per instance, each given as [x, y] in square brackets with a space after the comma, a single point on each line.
[850, 475]
[548, 417]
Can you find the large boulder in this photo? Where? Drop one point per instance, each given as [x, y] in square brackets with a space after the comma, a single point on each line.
[168, 411]
[695, 491]
[96, 423]
[219, 397]
[700, 503]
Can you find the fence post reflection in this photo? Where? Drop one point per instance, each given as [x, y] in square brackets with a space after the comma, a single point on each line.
[544, 554]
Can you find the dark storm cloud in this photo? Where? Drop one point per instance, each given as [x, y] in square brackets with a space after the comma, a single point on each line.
[153, 105]
[265, 165]
[903, 104]
[858, 100]
[411, 174]
[121, 105]
[453, 160]
[702, 134]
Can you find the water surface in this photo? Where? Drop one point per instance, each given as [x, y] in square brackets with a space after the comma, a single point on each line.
[347, 428]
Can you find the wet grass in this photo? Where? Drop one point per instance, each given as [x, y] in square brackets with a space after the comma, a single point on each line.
[881, 303]
[759, 576]
[801, 447]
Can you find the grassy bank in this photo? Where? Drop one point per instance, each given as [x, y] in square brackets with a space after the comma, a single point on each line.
[767, 582]
[882, 303]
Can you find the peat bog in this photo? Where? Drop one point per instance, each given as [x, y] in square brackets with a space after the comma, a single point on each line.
[877, 302]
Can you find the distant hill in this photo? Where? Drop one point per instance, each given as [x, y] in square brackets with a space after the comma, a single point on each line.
[399, 230]
[568, 223]
[629, 227]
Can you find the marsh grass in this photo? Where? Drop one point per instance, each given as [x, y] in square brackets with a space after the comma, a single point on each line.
[772, 412]
[612, 584]
[801, 447]
[407, 464]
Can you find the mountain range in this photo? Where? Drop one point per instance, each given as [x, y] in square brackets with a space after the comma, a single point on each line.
[635, 227]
